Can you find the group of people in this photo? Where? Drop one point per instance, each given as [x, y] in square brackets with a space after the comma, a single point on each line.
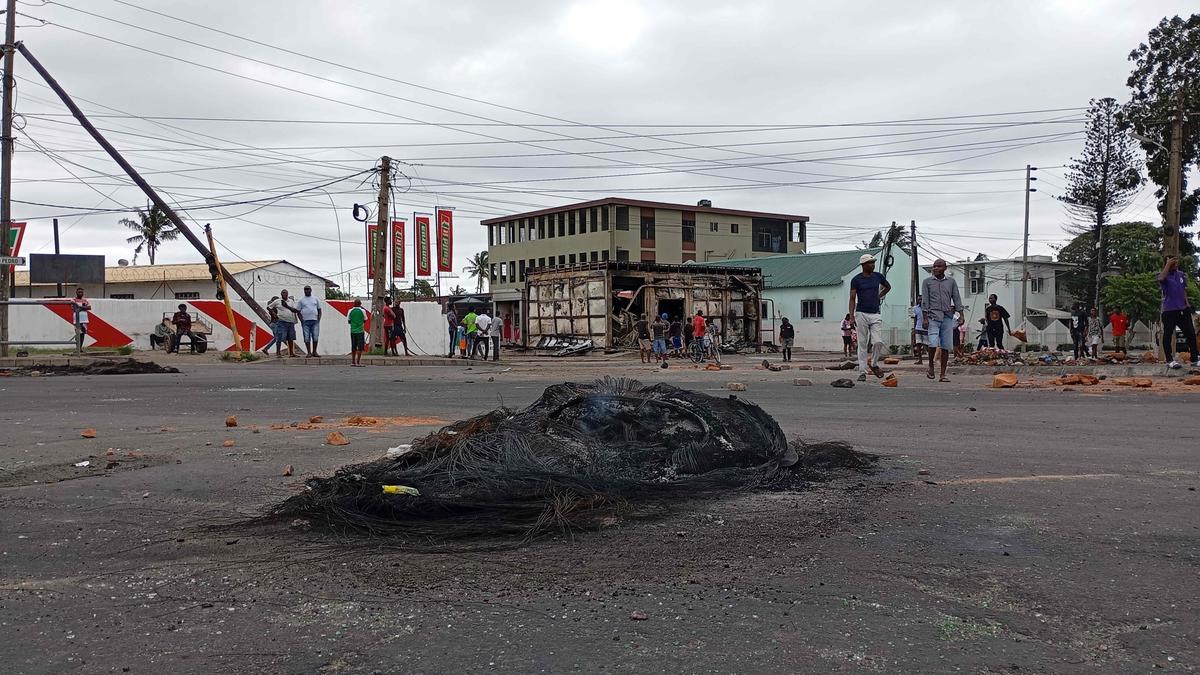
[284, 316]
[475, 333]
[665, 337]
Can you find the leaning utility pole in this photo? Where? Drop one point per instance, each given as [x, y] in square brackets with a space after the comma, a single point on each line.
[379, 254]
[141, 183]
[1029, 178]
[1175, 182]
[6, 153]
[912, 253]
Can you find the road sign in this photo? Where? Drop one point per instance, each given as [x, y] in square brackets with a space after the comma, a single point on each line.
[12, 260]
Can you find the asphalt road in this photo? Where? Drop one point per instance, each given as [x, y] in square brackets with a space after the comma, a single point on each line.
[1054, 532]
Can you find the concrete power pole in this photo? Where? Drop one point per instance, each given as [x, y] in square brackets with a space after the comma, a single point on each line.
[379, 254]
[1175, 183]
[912, 252]
[1029, 178]
[6, 153]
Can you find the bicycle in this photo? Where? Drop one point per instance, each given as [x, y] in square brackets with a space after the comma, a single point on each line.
[695, 351]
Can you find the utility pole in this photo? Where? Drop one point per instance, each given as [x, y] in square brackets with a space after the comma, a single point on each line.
[237, 341]
[912, 253]
[6, 153]
[140, 182]
[379, 257]
[58, 290]
[1029, 178]
[1175, 183]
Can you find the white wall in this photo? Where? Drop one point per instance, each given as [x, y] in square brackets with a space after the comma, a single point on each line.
[115, 323]
[1003, 277]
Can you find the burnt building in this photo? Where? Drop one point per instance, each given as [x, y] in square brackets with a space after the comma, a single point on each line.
[601, 301]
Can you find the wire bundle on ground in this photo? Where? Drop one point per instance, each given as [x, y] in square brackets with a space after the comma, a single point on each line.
[581, 456]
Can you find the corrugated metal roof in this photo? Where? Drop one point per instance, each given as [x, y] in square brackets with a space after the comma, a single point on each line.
[171, 272]
[801, 270]
[649, 204]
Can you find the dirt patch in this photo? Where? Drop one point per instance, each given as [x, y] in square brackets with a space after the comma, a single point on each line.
[126, 367]
[96, 465]
[362, 422]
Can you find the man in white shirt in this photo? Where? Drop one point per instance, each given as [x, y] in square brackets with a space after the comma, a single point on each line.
[483, 324]
[81, 307]
[285, 323]
[309, 308]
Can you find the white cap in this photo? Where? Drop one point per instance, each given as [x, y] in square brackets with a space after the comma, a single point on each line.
[865, 258]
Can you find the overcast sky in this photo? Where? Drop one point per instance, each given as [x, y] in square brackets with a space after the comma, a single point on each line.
[656, 85]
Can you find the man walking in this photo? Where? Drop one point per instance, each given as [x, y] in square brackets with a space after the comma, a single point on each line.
[286, 317]
[1118, 321]
[357, 318]
[496, 331]
[787, 336]
[1176, 312]
[399, 329]
[643, 337]
[309, 308]
[1079, 329]
[452, 327]
[940, 299]
[995, 321]
[80, 307]
[867, 291]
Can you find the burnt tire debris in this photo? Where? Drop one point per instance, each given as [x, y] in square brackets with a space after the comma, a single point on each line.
[583, 456]
[125, 367]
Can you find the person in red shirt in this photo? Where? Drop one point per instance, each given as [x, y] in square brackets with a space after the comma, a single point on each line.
[1119, 322]
[698, 325]
[389, 320]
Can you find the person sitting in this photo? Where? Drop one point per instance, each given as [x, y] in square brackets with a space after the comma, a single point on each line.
[162, 335]
[183, 326]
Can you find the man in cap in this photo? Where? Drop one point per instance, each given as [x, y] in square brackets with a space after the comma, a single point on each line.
[940, 299]
[868, 288]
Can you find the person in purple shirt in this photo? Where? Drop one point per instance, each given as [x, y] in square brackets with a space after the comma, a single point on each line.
[1176, 311]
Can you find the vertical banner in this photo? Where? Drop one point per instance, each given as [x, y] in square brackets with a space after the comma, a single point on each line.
[398, 227]
[421, 222]
[372, 246]
[445, 239]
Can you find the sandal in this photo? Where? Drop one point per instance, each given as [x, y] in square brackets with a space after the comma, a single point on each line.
[929, 375]
[944, 379]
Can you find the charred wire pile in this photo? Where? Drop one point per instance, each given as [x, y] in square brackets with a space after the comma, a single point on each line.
[581, 456]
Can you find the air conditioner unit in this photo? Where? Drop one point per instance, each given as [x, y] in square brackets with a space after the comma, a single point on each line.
[975, 274]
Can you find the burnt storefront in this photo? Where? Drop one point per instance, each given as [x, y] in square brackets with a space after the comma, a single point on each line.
[601, 301]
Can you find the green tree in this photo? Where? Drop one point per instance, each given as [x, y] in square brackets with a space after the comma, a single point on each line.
[458, 290]
[153, 228]
[879, 239]
[1132, 248]
[1140, 297]
[1166, 67]
[1101, 182]
[477, 268]
[421, 289]
[332, 293]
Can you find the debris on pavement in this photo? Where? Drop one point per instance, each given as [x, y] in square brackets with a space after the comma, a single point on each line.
[316, 419]
[231, 421]
[638, 615]
[88, 433]
[891, 380]
[124, 367]
[843, 383]
[336, 438]
[228, 443]
[581, 456]
[802, 382]
[1004, 380]
[288, 469]
[398, 450]
[83, 463]
[735, 386]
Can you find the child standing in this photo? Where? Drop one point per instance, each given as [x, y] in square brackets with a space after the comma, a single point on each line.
[847, 336]
[357, 318]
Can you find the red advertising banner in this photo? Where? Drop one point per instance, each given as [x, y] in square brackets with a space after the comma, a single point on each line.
[16, 233]
[372, 246]
[398, 227]
[445, 239]
[423, 263]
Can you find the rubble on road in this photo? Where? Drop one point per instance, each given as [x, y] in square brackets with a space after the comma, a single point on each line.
[125, 367]
[582, 455]
[1004, 381]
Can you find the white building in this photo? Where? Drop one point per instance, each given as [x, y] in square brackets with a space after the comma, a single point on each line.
[813, 291]
[186, 281]
[1049, 306]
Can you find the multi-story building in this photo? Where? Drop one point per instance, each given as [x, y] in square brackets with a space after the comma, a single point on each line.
[628, 230]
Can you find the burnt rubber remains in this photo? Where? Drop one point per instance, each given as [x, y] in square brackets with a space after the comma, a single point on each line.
[582, 456]
[126, 367]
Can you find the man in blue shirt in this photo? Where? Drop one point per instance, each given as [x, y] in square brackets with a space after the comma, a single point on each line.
[867, 291]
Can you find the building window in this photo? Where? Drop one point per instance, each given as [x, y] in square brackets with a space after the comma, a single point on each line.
[503, 272]
[622, 255]
[542, 262]
[797, 233]
[765, 241]
[120, 296]
[622, 217]
[733, 228]
[562, 224]
[492, 275]
[572, 258]
[689, 230]
[768, 235]
[491, 236]
[647, 228]
[595, 256]
[594, 218]
[583, 257]
[1035, 285]
[975, 281]
[604, 255]
[604, 218]
[713, 227]
[521, 271]
[187, 295]
[562, 260]
[812, 309]
[689, 256]
[571, 223]
[541, 221]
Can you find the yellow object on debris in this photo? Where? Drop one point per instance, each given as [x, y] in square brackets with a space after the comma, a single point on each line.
[401, 490]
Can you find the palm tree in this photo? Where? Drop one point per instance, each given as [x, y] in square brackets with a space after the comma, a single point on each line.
[458, 290]
[153, 228]
[477, 269]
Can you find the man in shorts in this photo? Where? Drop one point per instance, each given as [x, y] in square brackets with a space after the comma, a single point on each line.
[659, 330]
[81, 308]
[399, 329]
[357, 318]
[675, 332]
[643, 337]
[940, 299]
[286, 317]
[787, 336]
[389, 321]
[1119, 322]
[1095, 334]
[309, 308]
